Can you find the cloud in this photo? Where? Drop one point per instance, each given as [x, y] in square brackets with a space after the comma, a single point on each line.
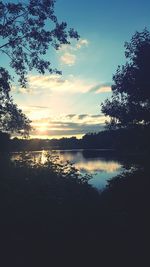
[82, 116]
[81, 43]
[22, 90]
[68, 52]
[101, 88]
[45, 81]
[75, 46]
[70, 124]
[42, 83]
[47, 84]
[34, 112]
[97, 116]
[68, 129]
[70, 116]
[68, 59]
[39, 107]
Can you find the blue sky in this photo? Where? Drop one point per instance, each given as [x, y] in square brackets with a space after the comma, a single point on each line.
[70, 104]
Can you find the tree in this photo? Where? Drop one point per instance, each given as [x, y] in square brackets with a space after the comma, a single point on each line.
[11, 117]
[27, 30]
[129, 105]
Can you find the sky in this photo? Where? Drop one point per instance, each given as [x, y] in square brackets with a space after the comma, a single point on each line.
[69, 105]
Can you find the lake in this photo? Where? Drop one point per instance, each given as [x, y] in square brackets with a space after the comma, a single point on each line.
[95, 163]
[101, 164]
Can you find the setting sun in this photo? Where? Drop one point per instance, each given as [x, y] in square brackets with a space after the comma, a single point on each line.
[42, 128]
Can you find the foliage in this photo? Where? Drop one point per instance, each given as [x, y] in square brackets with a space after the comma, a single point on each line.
[43, 211]
[129, 191]
[130, 102]
[45, 191]
[11, 117]
[44, 215]
[53, 164]
[4, 142]
[27, 30]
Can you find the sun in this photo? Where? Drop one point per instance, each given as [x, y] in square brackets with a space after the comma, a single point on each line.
[42, 128]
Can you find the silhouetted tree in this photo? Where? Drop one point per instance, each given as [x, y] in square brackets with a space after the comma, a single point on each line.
[27, 30]
[130, 102]
[11, 117]
[4, 141]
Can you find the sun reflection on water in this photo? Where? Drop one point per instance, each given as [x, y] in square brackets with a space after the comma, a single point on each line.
[100, 167]
[43, 157]
[82, 164]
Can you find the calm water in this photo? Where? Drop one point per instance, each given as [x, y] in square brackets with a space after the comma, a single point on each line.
[100, 164]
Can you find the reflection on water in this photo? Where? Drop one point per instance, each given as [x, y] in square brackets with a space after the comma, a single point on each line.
[42, 157]
[101, 167]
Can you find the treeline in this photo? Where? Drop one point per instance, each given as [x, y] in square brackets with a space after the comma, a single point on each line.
[46, 144]
[134, 139]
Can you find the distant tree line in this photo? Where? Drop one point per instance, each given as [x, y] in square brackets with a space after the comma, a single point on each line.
[135, 140]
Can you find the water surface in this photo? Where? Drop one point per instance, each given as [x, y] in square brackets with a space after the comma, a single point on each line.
[98, 163]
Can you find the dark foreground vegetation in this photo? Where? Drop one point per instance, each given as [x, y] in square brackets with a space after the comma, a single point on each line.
[50, 216]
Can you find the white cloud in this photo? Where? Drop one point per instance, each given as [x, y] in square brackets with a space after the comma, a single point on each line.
[51, 84]
[34, 112]
[68, 53]
[68, 59]
[81, 43]
[48, 84]
[103, 89]
[75, 46]
[23, 90]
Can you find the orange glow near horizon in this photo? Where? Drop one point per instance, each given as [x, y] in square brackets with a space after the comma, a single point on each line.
[44, 136]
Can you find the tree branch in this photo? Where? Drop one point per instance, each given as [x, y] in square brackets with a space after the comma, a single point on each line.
[9, 43]
[3, 51]
[4, 45]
